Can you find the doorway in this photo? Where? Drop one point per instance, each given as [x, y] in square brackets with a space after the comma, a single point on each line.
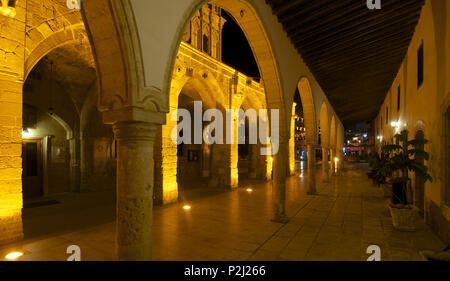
[32, 168]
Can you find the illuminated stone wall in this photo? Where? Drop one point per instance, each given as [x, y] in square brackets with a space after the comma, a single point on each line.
[223, 87]
[11, 81]
[423, 108]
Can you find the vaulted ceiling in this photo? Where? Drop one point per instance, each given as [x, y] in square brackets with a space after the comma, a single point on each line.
[353, 52]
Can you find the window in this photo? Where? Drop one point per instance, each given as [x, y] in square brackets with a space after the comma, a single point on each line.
[420, 66]
[205, 44]
[398, 98]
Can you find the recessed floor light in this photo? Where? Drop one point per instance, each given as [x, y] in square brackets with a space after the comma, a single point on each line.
[13, 255]
[186, 207]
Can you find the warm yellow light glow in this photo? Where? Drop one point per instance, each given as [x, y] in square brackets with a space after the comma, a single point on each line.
[395, 125]
[8, 11]
[26, 133]
[13, 255]
[249, 190]
[186, 207]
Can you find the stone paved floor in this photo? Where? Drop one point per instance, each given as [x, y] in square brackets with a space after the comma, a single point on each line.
[339, 223]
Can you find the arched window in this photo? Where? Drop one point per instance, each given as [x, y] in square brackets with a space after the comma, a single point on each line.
[205, 44]
[199, 39]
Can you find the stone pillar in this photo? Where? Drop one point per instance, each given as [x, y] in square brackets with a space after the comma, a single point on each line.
[279, 184]
[134, 189]
[325, 168]
[84, 172]
[292, 143]
[231, 179]
[340, 154]
[206, 157]
[311, 169]
[75, 173]
[332, 161]
[253, 161]
[166, 164]
[12, 30]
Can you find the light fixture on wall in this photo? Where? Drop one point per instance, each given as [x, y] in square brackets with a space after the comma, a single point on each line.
[395, 124]
[25, 133]
[8, 8]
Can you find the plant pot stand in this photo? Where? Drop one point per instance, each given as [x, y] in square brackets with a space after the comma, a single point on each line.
[403, 217]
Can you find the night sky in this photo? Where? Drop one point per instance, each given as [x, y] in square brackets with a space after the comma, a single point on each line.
[236, 51]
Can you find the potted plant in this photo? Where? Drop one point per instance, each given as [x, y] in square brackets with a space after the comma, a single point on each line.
[401, 159]
[380, 170]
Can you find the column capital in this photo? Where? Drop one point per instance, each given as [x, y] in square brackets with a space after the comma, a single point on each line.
[135, 130]
[133, 114]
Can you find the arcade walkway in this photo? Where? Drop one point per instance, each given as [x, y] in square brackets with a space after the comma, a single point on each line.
[347, 216]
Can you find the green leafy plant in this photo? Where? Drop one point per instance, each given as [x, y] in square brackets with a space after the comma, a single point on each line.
[380, 168]
[403, 156]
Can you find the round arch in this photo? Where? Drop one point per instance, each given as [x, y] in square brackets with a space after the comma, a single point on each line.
[51, 42]
[249, 21]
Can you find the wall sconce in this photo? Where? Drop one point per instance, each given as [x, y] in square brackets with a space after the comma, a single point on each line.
[395, 125]
[8, 8]
[380, 138]
[26, 133]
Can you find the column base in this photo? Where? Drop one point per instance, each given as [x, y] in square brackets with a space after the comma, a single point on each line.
[280, 219]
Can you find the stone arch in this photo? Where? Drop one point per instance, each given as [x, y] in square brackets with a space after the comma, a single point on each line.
[64, 124]
[251, 100]
[165, 151]
[248, 20]
[309, 110]
[324, 126]
[51, 42]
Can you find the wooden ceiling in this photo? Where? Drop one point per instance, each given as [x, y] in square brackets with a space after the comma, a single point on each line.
[353, 52]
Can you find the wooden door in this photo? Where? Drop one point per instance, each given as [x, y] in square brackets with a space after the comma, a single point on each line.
[32, 168]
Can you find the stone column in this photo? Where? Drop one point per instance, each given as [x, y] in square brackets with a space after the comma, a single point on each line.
[74, 144]
[166, 164]
[84, 172]
[134, 189]
[231, 179]
[12, 63]
[292, 143]
[325, 168]
[253, 161]
[206, 155]
[311, 169]
[279, 184]
[332, 156]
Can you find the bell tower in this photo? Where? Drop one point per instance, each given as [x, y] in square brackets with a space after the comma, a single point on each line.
[205, 31]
